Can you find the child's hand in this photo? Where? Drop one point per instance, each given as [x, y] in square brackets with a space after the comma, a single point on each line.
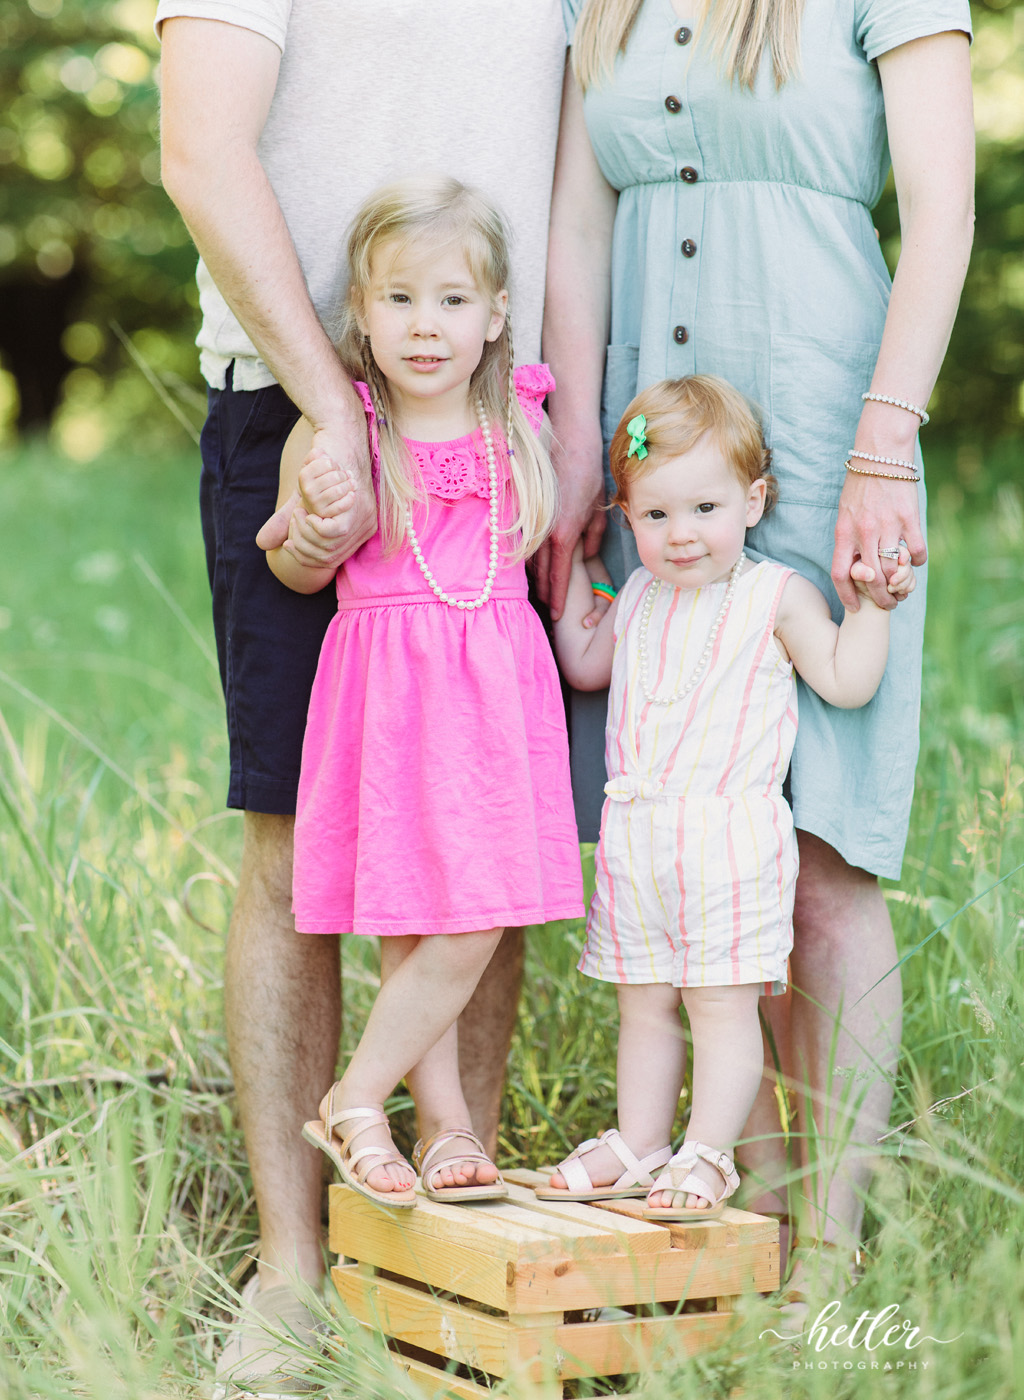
[274, 532]
[597, 573]
[326, 489]
[903, 581]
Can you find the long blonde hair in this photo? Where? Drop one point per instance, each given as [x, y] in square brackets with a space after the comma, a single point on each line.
[738, 32]
[440, 211]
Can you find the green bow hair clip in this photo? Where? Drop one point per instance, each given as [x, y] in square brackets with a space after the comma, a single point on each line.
[637, 430]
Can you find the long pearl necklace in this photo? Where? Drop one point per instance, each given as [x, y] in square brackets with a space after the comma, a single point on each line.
[492, 498]
[697, 674]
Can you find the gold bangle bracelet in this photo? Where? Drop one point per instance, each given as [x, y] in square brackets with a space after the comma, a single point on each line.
[889, 476]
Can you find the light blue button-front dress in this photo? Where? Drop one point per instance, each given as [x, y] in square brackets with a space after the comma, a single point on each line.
[744, 247]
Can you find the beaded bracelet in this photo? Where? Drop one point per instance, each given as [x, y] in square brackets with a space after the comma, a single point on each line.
[889, 476]
[883, 461]
[605, 589]
[897, 403]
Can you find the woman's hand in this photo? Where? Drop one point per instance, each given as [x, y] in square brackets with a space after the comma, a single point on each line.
[926, 85]
[580, 517]
[876, 513]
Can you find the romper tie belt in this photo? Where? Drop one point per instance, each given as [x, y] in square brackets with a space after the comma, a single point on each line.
[628, 787]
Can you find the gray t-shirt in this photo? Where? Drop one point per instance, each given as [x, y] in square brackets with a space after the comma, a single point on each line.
[371, 90]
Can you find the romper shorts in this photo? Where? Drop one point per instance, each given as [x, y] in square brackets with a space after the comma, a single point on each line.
[268, 637]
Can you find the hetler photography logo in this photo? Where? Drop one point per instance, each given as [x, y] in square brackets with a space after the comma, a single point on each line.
[878, 1342]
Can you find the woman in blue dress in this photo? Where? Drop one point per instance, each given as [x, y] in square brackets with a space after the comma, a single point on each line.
[720, 223]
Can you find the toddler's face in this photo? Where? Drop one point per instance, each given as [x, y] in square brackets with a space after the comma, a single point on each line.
[690, 515]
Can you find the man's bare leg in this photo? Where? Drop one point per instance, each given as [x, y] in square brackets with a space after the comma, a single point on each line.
[485, 1035]
[282, 1002]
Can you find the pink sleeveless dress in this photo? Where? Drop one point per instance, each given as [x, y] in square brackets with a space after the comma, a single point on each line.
[434, 795]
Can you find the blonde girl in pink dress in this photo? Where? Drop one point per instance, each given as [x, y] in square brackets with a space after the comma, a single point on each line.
[434, 805]
[697, 860]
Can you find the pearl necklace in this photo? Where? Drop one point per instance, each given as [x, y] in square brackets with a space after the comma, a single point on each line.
[492, 498]
[697, 674]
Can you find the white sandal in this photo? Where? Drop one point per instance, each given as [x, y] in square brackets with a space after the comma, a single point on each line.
[636, 1180]
[322, 1134]
[679, 1178]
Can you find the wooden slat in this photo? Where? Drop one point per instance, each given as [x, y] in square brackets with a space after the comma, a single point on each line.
[452, 1268]
[672, 1276]
[732, 1227]
[451, 1331]
[517, 1231]
[534, 1352]
[641, 1236]
[618, 1348]
[434, 1383]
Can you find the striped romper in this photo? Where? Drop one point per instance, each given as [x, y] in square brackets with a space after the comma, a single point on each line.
[697, 860]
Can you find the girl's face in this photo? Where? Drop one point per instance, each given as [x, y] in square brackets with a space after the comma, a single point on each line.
[690, 515]
[428, 321]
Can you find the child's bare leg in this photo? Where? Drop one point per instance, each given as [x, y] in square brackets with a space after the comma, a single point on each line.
[651, 1066]
[727, 1064]
[425, 983]
[436, 1089]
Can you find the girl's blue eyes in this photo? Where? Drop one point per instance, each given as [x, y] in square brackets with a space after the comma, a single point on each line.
[402, 299]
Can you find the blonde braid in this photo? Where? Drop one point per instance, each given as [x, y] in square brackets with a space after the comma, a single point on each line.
[510, 387]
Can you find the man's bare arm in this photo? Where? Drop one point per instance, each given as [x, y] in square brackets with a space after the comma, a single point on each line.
[217, 82]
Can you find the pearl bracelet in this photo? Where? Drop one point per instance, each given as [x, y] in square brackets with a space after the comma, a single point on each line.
[884, 461]
[897, 403]
[889, 476]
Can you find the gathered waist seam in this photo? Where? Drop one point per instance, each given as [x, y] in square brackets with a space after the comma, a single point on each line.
[780, 184]
[400, 600]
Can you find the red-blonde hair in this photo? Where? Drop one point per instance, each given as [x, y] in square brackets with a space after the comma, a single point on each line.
[679, 412]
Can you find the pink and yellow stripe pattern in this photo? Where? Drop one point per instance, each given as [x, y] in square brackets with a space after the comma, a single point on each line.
[697, 859]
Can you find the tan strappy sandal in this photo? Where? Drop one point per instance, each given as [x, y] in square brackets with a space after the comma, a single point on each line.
[354, 1167]
[427, 1162]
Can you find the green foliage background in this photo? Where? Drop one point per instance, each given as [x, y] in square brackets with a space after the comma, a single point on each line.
[80, 199]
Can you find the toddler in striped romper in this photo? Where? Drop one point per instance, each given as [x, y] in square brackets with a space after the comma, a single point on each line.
[697, 860]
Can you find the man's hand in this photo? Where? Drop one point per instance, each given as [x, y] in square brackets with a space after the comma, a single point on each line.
[580, 516]
[332, 510]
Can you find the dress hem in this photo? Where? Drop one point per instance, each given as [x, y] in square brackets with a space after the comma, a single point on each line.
[470, 923]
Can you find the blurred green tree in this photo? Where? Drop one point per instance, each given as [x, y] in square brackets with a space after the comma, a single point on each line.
[87, 236]
[980, 393]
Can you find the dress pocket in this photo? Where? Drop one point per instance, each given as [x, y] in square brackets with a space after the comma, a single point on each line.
[815, 406]
[620, 373]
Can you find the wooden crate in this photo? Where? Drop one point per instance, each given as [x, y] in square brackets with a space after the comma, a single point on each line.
[468, 1295]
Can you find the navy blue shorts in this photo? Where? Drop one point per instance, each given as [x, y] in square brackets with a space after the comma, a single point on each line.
[268, 638]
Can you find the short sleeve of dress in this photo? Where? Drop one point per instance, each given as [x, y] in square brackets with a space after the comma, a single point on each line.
[884, 24]
[533, 384]
[266, 17]
[571, 12]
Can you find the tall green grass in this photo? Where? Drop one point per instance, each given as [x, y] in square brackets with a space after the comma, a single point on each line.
[125, 1210]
